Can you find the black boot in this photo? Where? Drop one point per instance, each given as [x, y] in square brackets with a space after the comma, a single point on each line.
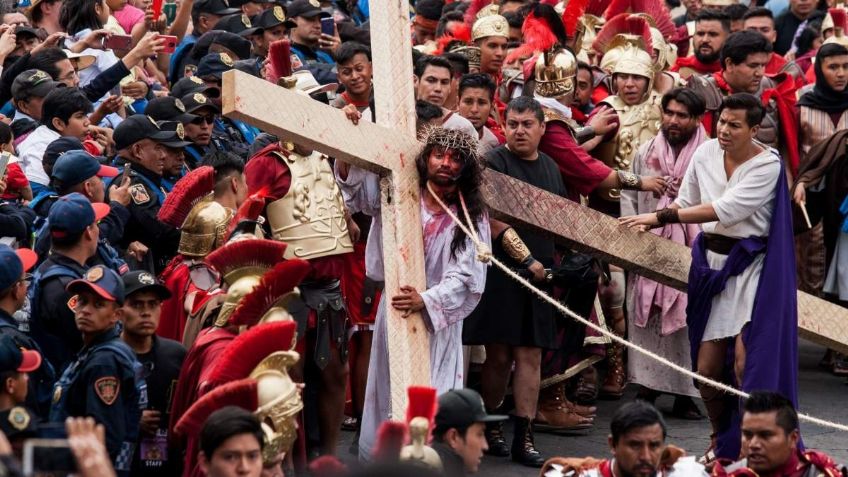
[523, 448]
[495, 439]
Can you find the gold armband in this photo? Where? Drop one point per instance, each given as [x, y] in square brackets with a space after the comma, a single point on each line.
[514, 246]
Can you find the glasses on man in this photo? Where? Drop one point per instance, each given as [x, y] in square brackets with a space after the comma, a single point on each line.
[203, 119]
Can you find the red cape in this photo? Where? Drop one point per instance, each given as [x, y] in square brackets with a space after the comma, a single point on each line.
[784, 97]
[177, 280]
[692, 62]
[196, 368]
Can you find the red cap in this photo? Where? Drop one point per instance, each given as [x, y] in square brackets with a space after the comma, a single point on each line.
[30, 362]
[28, 258]
[108, 171]
[100, 209]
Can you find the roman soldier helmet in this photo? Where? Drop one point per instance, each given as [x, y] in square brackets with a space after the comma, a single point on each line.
[485, 21]
[242, 265]
[618, 32]
[269, 300]
[662, 29]
[269, 393]
[249, 349]
[204, 224]
[635, 61]
[840, 22]
[554, 67]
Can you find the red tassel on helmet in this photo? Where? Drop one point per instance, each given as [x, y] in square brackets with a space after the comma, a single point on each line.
[242, 393]
[274, 285]
[187, 192]
[248, 349]
[245, 253]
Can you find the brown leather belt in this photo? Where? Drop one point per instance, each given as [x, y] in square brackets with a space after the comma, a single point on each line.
[719, 243]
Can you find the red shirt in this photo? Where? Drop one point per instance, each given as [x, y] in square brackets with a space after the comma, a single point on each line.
[775, 64]
[580, 172]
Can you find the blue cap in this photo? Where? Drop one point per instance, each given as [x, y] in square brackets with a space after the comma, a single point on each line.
[76, 167]
[13, 264]
[72, 213]
[15, 358]
[101, 280]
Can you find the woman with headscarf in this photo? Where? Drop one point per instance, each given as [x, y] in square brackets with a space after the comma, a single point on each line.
[822, 111]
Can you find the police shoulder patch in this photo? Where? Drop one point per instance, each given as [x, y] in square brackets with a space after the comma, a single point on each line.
[19, 418]
[139, 194]
[107, 389]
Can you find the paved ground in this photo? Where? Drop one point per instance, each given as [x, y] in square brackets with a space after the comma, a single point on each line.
[822, 395]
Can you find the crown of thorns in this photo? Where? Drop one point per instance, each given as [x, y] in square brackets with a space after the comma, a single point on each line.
[450, 139]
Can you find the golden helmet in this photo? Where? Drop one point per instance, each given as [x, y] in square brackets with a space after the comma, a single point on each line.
[490, 25]
[666, 52]
[827, 23]
[587, 32]
[205, 228]
[471, 53]
[554, 73]
[242, 265]
[279, 402]
[635, 61]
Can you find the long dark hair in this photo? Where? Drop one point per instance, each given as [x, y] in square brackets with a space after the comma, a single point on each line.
[468, 185]
[78, 15]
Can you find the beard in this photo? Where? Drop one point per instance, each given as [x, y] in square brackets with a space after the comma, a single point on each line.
[677, 136]
[706, 58]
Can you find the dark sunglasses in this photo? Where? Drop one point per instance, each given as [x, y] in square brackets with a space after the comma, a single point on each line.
[203, 119]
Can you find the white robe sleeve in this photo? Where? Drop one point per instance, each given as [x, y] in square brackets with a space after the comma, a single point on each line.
[361, 190]
[463, 280]
[753, 191]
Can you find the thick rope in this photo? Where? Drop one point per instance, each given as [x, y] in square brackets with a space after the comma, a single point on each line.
[485, 255]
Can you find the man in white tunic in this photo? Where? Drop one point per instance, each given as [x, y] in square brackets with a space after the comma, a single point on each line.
[450, 171]
[742, 310]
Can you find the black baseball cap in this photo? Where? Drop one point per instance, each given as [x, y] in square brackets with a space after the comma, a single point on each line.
[239, 24]
[33, 83]
[272, 17]
[306, 9]
[59, 147]
[214, 65]
[238, 45]
[168, 108]
[196, 101]
[215, 7]
[178, 140]
[25, 30]
[193, 84]
[142, 280]
[459, 408]
[136, 128]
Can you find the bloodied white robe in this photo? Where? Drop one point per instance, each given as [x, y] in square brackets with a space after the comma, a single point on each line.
[455, 284]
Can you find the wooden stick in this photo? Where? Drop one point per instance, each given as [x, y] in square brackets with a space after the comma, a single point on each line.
[803, 206]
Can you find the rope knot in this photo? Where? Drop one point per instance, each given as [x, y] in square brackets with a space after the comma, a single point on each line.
[483, 253]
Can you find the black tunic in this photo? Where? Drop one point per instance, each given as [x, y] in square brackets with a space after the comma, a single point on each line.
[508, 313]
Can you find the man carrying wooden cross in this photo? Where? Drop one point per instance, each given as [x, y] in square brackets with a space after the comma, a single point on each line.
[450, 173]
[742, 290]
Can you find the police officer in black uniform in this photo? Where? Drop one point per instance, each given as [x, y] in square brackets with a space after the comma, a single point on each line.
[161, 360]
[227, 134]
[139, 142]
[14, 280]
[105, 381]
[17, 421]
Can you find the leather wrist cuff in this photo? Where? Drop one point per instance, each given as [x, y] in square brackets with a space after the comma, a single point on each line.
[668, 216]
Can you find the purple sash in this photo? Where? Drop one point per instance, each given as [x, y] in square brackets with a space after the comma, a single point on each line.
[771, 337]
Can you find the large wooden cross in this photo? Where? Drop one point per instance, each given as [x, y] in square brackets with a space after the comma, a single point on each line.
[389, 148]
